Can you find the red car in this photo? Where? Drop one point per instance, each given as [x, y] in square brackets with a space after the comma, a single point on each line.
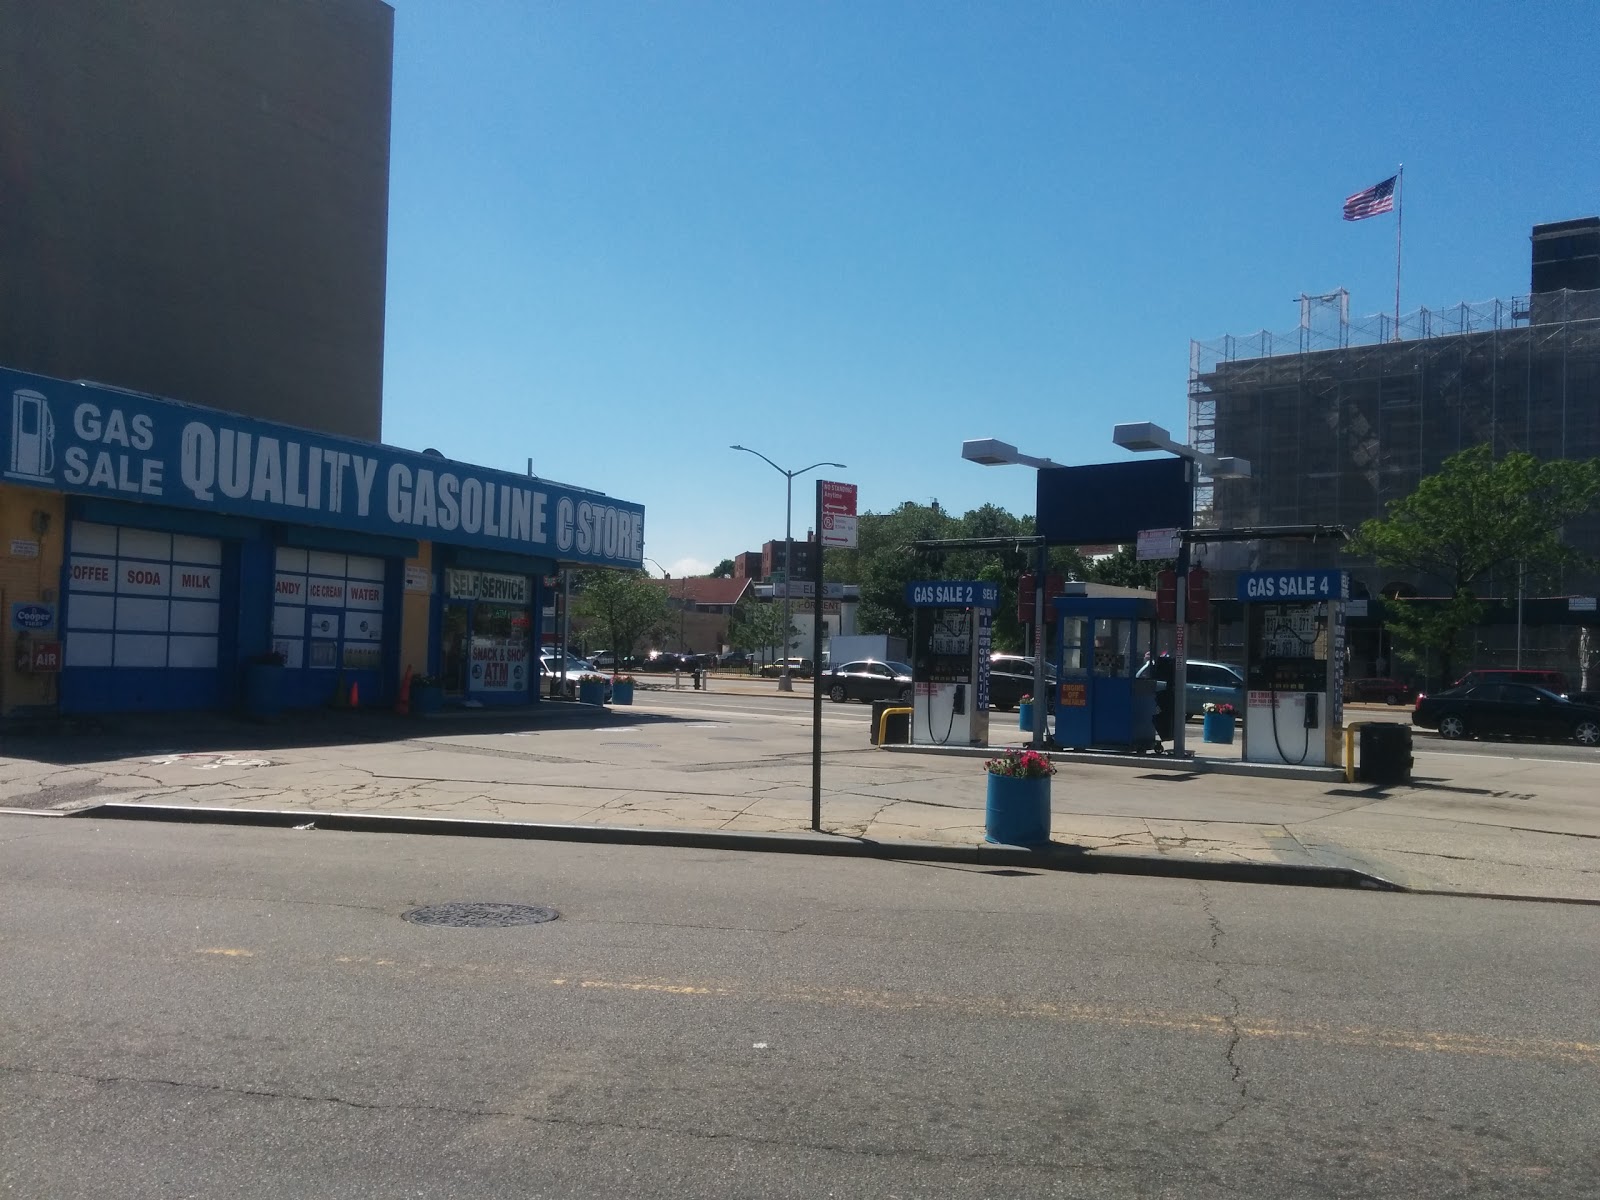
[1389, 691]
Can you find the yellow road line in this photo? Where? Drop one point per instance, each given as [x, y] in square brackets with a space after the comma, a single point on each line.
[1422, 1041]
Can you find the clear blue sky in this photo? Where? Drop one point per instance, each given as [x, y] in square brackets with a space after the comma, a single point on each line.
[626, 235]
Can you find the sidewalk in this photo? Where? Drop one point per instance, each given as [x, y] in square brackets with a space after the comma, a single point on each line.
[1476, 823]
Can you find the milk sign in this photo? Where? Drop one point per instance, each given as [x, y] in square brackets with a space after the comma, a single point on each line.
[99, 442]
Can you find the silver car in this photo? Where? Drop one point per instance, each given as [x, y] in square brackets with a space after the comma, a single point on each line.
[1206, 683]
[578, 671]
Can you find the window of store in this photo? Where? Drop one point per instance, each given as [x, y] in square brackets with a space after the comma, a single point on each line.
[137, 598]
[327, 612]
[486, 636]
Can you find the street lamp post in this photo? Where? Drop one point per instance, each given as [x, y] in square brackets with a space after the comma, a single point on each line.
[785, 684]
[990, 452]
[1143, 436]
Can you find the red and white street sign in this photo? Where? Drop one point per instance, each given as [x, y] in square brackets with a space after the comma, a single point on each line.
[1157, 544]
[838, 501]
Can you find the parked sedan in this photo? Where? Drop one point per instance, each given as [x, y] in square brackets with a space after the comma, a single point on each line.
[1372, 691]
[1011, 678]
[666, 660]
[799, 668]
[1205, 683]
[578, 671]
[1507, 710]
[868, 679]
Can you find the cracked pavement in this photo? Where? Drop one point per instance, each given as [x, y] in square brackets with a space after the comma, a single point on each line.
[1506, 824]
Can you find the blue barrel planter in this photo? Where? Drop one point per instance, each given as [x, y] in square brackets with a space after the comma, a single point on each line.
[1025, 716]
[1217, 727]
[425, 700]
[592, 691]
[263, 689]
[1018, 810]
[622, 693]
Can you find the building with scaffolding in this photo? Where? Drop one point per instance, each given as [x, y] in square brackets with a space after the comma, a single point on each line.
[1339, 417]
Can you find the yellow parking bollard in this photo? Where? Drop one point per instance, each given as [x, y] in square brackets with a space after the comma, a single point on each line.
[883, 722]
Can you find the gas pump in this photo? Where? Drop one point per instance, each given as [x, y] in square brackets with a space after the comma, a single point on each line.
[1294, 666]
[950, 640]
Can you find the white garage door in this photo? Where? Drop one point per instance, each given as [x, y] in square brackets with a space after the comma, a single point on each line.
[137, 598]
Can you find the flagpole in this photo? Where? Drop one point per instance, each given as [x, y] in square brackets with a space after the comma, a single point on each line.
[1399, 220]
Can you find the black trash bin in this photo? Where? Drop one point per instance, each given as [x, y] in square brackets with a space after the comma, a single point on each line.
[1385, 752]
[898, 731]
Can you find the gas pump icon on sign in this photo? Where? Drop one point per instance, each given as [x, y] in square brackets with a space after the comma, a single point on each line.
[33, 437]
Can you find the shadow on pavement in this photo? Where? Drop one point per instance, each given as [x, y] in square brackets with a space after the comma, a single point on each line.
[73, 740]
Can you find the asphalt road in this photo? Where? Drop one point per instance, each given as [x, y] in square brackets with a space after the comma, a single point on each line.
[194, 1011]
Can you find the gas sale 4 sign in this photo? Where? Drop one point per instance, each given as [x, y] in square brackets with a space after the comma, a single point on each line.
[1293, 586]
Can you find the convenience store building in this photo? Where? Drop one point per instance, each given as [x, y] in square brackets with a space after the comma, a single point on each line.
[151, 550]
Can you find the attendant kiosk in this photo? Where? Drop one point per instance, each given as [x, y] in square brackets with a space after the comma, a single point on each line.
[1100, 704]
[1294, 666]
[950, 642]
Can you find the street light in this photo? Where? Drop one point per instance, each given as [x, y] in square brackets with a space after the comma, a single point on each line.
[1143, 436]
[991, 452]
[785, 684]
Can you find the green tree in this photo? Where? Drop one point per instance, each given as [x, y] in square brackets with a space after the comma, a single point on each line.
[724, 570]
[1475, 519]
[626, 605]
[886, 561]
[757, 626]
[1123, 569]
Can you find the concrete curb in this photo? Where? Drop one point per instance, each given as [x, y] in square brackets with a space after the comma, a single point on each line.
[1052, 858]
[1150, 762]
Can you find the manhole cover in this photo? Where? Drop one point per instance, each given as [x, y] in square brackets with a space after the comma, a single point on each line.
[475, 915]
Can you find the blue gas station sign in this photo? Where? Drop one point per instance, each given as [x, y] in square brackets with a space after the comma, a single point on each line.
[953, 593]
[1293, 587]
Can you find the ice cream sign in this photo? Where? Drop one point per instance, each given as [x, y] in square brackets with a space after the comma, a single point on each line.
[95, 441]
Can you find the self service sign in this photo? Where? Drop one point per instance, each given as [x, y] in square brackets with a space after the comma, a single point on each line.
[94, 441]
[1293, 587]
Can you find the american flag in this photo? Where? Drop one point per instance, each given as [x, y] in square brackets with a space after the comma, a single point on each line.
[1379, 198]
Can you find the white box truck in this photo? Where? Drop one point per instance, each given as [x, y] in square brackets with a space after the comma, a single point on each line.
[845, 648]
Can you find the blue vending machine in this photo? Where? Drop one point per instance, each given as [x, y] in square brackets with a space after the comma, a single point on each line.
[1102, 703]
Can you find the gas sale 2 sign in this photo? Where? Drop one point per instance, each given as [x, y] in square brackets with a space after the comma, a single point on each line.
[950, 593]
[1293, 587]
